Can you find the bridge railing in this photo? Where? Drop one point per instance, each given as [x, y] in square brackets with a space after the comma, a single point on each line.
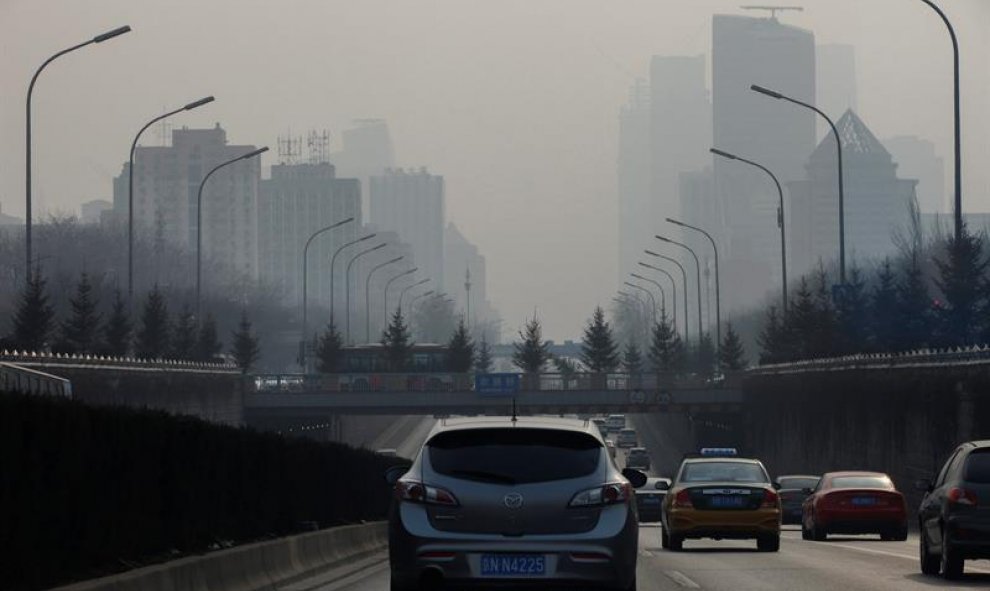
[14, 378]
[48, 358]
[977, 354]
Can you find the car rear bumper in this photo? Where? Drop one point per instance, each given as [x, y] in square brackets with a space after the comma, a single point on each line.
[604, 556]
[743, 524]
[791, 515]
[860, 522]
[971, 537]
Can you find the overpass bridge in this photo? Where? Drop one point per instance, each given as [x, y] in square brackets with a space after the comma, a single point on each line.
[284, 397]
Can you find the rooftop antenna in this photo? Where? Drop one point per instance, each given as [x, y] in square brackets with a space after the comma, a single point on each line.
[289, 148]
[774, 9]
[514, 417]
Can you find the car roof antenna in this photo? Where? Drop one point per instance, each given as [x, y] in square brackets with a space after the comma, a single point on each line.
[514, 417]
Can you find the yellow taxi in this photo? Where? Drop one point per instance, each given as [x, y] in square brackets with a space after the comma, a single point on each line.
[719, 495]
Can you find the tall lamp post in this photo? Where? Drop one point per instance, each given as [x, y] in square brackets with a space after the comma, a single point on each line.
[663, 295]
[643, 306]
[838, 148]
[687, 316]
[697, 265]
[653, 300]
[418, 297]
[27, 153]
[718, 292]
[407, 288]
[199, 220]
[347, 287]
[305, 290]
[333, 261]
[956, 115]
[367, 295]
[130, 189]
[389, 284]
[673, 288]
[780, 222]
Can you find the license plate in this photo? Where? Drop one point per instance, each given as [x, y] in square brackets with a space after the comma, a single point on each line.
[864, 501]
[728, 502]
[650, 500]
[513, 565]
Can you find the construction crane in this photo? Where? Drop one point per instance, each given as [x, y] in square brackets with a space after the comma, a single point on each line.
[774, 9]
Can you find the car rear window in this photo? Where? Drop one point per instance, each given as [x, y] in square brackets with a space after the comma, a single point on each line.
[862, 482]
[978, 468]
[798, 482]
[723, 472]
[514, 456]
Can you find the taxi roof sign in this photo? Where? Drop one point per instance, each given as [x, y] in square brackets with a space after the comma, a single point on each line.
[719, 452]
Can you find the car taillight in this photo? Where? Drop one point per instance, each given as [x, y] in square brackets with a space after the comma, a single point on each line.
[961, 496]
[417, 492]
[770, 499]
[610, 494]
[683, 500]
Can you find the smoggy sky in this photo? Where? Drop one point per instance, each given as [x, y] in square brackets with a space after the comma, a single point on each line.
[515, 102]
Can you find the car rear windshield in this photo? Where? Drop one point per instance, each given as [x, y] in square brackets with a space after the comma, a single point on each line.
[724, 472]
[514, 456]
[978, 467]
[792, 482]
[862, 482]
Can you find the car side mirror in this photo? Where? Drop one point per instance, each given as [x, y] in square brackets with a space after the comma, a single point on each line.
[924, 485]
[807, 491]
[394, 473]
[776, 486]
[663, 485]
[635, 477]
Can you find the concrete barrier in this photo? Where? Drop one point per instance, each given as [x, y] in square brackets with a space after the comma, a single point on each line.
[253, 567]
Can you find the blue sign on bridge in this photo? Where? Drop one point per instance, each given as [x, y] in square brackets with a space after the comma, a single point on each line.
[496, 383]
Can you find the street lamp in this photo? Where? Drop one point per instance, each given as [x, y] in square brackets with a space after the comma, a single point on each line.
[333, 260]
[367, 295]
[305, 289]
[407, 288]
[838, 149]
[199, 219]
[780, 223]
[130, 189]
[673, 288]
[653, 300]
[718, 293]
[27, 155]
[416, 298]
[389, 284]
[687, 316]
[663, 296]
[347, 287]
[643, 306]
[956, 115]
[697, 265]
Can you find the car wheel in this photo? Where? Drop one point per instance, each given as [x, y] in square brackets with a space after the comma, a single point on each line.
[929, 563]
[952, 561]
[676, 542]
[901, 533]
[396, 584]
[768, 543]
[805, 534]
[818, 534]
[630, 587]
[664, 539]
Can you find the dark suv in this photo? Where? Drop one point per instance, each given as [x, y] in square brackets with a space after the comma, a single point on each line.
[954, 517]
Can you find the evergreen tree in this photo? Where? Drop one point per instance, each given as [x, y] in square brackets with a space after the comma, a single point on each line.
[245, 349]
[565, 367]
[632, 358]
[962, 280]
[773, 340]
[483, 361]
[598, 350]
[34, 317]
[825, 319]
[117, 332]
[914, 319]
[666, 352]
[396, 343]
[800, 324]
[153, 337]
[208, 345]
[883, 310]
[328, 350]
[853, 315]
[732, 356]
[79, 332]
[704, 356]
[184, 336]
[532, 353]
[460, 350]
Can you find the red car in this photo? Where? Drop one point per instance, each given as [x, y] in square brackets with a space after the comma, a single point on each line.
[854, 503]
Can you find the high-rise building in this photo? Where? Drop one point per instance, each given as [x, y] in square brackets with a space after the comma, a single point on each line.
[836, 85]
[636, 222]
[916, 158]
[166, 185]
[92, 212]
[876, 201]
[776, 134]
[296, 202]
[464, 266]
[366, 151]
[411, 204]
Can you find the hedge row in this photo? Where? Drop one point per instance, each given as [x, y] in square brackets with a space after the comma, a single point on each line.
[90, 490]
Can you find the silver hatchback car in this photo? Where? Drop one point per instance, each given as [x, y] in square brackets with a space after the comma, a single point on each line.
[498, 502]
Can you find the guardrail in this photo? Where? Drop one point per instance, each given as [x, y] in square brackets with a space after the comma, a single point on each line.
[24, 380]
[959, 356]
[47, 358]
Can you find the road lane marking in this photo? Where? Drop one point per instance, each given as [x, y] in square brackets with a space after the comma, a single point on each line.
[681, 579]
[892, 554]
